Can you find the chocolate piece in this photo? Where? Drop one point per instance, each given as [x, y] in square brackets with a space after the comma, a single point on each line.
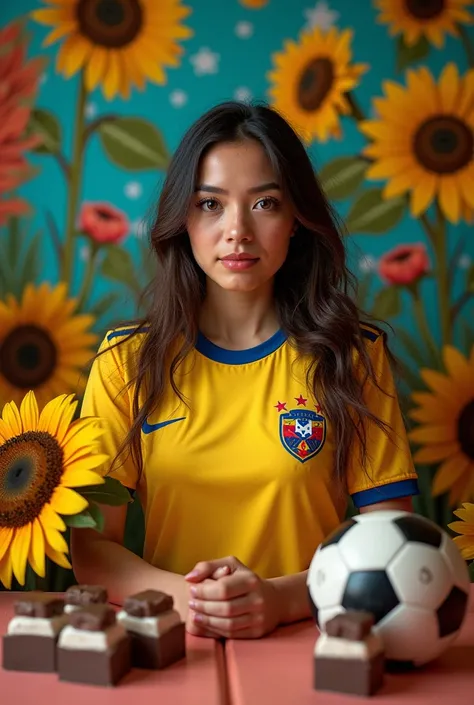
[148, 603]
[156, 653]
[24, 652]
[349, 656]
[349, 675]
[39, 604]
[105, 668]
[93, 618]
[353, 625]
[86, 595]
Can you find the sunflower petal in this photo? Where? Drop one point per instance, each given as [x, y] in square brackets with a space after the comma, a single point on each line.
[6, 571]
[450, 199]
[50, 519]
[11, 416]
[448, 474]
[6, 537]
[56, 540]
[36, 556]
[29, 412]
[435, 453]
[79, 477]
[461, 527]
[438, 433]
[19, 552]
[58, 558]
[466, 546]
[68, 502]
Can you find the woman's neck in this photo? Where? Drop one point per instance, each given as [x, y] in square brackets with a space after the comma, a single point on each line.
[237, 320]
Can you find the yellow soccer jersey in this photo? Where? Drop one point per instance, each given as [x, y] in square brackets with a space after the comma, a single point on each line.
[245, 468]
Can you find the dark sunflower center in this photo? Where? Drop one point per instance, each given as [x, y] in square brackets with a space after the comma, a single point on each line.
[425, 9]
[28, 357]
[444, 144]
[466, 430]
[315, 83]
[110, 23]
[31, 466]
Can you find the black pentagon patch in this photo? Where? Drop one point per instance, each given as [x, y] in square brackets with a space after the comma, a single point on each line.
[451, 613]
[370, 591]
[419, 530]
[314, 609]
[336, 535]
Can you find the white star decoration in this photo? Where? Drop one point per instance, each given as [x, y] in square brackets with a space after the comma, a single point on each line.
[133, 189]
[243, 94]
[320, 16]
[178, 98]
[244, 29]
[205, 61]
[90, 110]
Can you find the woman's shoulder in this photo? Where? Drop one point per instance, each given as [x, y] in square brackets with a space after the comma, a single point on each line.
[121, 345]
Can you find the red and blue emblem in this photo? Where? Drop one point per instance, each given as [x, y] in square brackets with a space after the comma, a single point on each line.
[302, 433]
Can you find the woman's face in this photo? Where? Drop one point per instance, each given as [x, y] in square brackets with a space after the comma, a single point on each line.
[240, 221]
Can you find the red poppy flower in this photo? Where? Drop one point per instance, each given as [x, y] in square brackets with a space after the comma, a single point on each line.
[404, 264]
[103, 223]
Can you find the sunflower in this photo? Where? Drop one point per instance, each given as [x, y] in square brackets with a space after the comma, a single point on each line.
[447, 433]
[310, 81]
[117, 42]
[42, 346]
[423, 141]
[42, 458]
[415, 19]
[465, 527]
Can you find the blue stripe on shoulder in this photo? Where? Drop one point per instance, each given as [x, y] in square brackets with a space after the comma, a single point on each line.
[370, 333]
[125, 332]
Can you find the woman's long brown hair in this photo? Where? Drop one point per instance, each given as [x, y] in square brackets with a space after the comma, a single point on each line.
[313, 289]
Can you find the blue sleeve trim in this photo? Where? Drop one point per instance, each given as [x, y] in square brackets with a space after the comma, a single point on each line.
[125, 331]
[394, 490]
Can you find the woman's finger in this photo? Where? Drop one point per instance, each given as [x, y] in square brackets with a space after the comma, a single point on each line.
[229, 608]
[228, 626]
[227, 588]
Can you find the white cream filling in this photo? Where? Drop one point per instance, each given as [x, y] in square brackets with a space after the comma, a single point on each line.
[344, 648]
[71, 608]
[81, 639]
[150, 626]
[37, 626]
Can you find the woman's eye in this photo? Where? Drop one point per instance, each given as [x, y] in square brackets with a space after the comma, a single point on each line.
[267, 203]
[208, 204]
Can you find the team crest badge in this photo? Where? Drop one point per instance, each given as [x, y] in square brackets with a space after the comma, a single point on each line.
[302, 433]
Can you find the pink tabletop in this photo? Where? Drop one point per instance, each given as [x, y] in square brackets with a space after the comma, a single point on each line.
[197, 679]
[277, 670]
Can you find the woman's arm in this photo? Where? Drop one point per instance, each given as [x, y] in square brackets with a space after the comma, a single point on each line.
[101, 559]
[291, 589]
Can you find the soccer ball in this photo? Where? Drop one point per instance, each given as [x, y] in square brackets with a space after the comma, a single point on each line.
[403, 569]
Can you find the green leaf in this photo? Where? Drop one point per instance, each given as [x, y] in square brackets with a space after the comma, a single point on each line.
[103, 305]
[46, 125]
[342, 176]
[413, 350]
[133, 144]
[471, 571]
[112, 492]
[387, 303]
[372, 214]
[118, 266]
[84, 520]
[407, 55]
[97, 515]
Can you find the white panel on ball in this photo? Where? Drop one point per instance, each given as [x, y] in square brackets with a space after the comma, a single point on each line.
[408, 632]
[381, 541]
[460, 572]
[327, 577]
[380, 515]
[420, 576]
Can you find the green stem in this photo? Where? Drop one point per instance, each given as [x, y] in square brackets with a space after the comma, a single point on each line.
[467, 44]
[88, 276]
[423, 326]
[437, 235]
[356, 111]
[77, 164]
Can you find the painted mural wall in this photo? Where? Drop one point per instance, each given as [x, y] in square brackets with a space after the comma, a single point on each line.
[96, 94]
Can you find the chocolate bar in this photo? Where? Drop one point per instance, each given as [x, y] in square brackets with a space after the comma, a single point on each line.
[93, 648]
[32, 634]
[80, 595]
[349, 656]
[157, 634]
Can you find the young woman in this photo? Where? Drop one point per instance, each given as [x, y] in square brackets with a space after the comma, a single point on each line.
[251, 401]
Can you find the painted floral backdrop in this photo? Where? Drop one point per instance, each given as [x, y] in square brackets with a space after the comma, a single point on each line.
[96, 94]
